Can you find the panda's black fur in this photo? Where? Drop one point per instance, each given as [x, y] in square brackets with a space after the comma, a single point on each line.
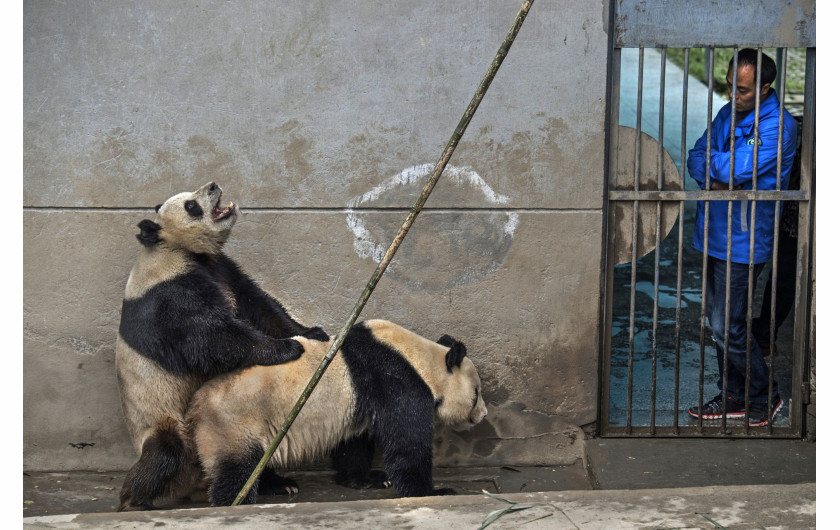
[386, 386]
[189, 313]
[187, 325]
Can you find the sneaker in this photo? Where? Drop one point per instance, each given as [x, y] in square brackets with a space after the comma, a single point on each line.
[758, 413]
[713, 409]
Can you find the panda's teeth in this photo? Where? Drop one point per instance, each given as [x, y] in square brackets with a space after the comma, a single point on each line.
[219, 214]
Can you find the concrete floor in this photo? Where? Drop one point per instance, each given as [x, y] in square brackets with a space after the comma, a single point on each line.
[612, 464]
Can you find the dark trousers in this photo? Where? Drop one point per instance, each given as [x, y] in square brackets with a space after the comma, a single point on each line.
[735, 361]
[785, 291]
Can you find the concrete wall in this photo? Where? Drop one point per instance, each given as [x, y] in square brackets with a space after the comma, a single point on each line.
[300, 113]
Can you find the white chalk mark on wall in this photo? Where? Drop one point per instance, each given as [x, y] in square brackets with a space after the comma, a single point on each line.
[415, 174]
[475, 241]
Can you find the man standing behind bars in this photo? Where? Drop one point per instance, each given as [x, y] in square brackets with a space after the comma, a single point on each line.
[743, 93]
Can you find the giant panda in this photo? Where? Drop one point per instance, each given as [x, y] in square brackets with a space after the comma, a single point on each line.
[386, 384]
[189, 313]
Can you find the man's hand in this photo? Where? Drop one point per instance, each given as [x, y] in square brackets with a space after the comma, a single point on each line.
[717, 185]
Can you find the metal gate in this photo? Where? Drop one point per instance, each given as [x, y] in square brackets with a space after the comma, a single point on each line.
[658, 353]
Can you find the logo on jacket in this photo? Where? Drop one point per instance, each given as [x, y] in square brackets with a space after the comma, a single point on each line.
[752, 141]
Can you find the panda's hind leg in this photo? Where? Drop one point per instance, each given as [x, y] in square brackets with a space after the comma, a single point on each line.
[227, 477]
[352, 461]
[164, 467]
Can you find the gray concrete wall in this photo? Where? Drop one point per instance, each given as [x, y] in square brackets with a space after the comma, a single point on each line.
[320, 120]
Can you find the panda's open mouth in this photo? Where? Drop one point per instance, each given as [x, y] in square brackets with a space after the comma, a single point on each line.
[219, 214]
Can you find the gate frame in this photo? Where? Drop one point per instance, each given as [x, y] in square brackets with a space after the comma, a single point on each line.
[641, 24]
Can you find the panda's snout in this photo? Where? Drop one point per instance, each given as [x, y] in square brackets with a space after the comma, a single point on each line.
[478, 413]
[212, 188]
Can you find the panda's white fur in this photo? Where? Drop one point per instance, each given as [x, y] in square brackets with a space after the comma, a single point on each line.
[386, 382]
[189, 313]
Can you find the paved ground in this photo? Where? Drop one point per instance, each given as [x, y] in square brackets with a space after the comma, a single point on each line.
[745, 507]
[626, 483]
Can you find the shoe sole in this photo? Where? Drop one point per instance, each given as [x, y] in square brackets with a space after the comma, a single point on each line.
[762, 423]
[733, 415]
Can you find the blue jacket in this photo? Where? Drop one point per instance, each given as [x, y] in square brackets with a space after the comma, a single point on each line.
[768, 134]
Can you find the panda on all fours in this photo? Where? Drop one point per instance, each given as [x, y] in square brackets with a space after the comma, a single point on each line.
[384, 389]
[189, 313]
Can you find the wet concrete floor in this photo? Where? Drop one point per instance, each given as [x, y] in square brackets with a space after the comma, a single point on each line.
[612, 464]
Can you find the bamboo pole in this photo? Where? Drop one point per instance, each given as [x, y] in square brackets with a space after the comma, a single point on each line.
[389, 254]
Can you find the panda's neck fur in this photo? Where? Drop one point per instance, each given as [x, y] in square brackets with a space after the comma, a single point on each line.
[155, 265]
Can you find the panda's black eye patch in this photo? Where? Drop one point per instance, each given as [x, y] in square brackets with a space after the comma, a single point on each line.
[193, 208]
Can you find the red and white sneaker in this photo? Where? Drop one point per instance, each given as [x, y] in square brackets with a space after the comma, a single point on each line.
[713, 409]
[758, 413]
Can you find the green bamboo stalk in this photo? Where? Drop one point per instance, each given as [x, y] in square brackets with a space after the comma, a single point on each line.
[389, 254]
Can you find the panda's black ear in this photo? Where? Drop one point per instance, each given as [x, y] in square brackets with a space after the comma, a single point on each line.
[148, 235]
[446, 340]
[455, 355]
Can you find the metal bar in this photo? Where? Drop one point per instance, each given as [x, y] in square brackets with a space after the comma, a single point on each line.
[681, 217]
[780, 88]
[709, 195]
[704, 279]
[734, 431]
[727, 297]
[751, 263]
[715, 23]
[659, 179]
[609, 269]
[634, 244]
[802, 322]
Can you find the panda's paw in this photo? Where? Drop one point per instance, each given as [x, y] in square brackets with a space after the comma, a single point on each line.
[290, 350]
[445, 491]
[126, 506]
[273, 484]
[316, 333]
[378, 480]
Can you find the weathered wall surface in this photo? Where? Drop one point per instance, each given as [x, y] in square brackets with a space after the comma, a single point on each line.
[321, 119]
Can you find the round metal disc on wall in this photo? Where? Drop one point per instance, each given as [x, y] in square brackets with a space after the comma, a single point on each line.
[624, 178]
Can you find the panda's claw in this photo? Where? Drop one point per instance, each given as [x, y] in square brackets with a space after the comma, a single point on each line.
[273, 484]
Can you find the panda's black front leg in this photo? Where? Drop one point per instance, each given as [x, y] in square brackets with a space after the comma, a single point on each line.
[235, 345]
[406, 438]
[352, 461]
[410, 471]
[259, 308]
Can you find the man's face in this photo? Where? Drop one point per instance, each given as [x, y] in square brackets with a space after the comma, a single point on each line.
[745, 91]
